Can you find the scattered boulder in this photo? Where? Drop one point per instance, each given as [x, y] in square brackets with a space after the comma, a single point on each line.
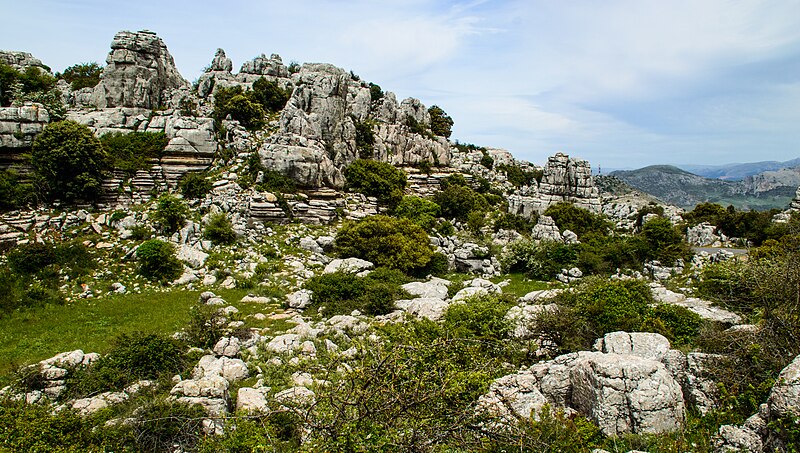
[348, 265]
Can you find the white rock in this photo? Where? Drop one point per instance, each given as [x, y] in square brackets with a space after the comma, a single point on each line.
[348, 265]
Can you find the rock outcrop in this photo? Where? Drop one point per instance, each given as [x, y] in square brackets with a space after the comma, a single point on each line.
[18, 127]
[139, 73]
[563, 180]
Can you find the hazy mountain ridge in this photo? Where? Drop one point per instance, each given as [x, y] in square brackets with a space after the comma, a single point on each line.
[765, 190]
[738, 171]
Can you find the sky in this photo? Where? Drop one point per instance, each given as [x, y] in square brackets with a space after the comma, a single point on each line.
[621, 83]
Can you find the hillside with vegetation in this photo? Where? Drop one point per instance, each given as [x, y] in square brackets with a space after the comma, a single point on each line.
[288, 259]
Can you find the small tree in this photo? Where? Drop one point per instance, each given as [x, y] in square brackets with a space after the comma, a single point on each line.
[386, 241]
[194, 185]
[83, 75]
[376, 179]
[272, 97]
[441, 123]
[171, 213]
[69, 162]
[220, 229]
[419, 210]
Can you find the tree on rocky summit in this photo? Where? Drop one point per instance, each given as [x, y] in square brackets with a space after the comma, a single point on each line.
[441, 123]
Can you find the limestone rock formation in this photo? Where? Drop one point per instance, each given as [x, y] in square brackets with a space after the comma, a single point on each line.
[18, 127]
[139, 71]
[21, 60]
[563, 179]
[221, 62]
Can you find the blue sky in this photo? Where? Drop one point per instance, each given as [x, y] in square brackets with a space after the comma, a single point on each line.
[623, 84]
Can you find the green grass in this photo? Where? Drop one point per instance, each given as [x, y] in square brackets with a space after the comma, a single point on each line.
[520, 285]
[91, 324]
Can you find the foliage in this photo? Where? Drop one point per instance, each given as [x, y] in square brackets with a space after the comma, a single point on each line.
[280, 430]
[206, 326]
[240, 106]
[441, 123]
[663, 241]
[194, 185]
[487, 160]
[170, 213]
[755, 226]
[131, 152]
[51, 99]
[163, 424]
[132, 358]
[542, 261]
[650, 208]
[419, 210]
[31, 80]
[38, 428]
[376, 179]
[375, 92]
[341, 293]
[82, 75]
[580, 221]
[597, 307]
[69, 161]
[519, 177]
[416, 127]
[219, 229]
[387, 242]
[457, 201]
[31, 258]
[271, 180]
[508, 221]
[480, 317]
[272, 97]
[156, 261]
[14, 194]
[365, 138]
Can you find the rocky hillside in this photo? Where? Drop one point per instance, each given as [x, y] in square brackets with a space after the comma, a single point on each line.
[679, 187]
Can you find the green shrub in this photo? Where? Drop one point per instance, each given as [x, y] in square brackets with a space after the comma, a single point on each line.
[220, 229]
[680, 325]
[14, 194]
[133, 357]
[132, 151]
[376, 179]
[487, 160]
[578, 220]
[375, 92]
[663, 241]
[156, 261]
[365, 138]
[69, 161]
[206, 326]
[650, 208]
[341, 293]
[31, 80]
[387, 242]
[457, 201]
[235, 102]
[421, 211]
[38, 428]
[162, 425]
[508, 221]
[271, 97]
[31, 258]
[170, 213]
[194, 185]
[519, 177]
[416, 127]
[481, 317]
[542, 261]
[281, 430]
[441, 123]
[82, 75]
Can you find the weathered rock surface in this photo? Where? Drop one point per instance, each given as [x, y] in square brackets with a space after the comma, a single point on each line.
[139, 71]
[18, 127]
[785, 396]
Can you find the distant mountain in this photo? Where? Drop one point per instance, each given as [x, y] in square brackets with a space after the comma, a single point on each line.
[738, 171]
[679, 187]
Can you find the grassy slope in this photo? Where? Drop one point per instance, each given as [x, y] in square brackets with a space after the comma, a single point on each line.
[91, 324]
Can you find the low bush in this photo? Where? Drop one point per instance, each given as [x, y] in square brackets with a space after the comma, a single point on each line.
[272, 97]
[194, 185]
[341, 293]
[14, 194]
[508, 221]
[206, 326]
[540, 261]
[387, 242]
[580, 221]
[69, 162]
[376, 179]
[457, 201]
[663, 242]
[132, 357]
[239, 105]
[156, 261]
[419, 210]
[170, 213]
[31, 258]
[31, 80]
[38, 428]
[163, 425]
[220, 229]
[519, 177]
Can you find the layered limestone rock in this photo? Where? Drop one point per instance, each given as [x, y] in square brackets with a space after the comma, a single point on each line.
[316, 139]
[18, 127]
[139, 73]
[563, 180]
[21, 60]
